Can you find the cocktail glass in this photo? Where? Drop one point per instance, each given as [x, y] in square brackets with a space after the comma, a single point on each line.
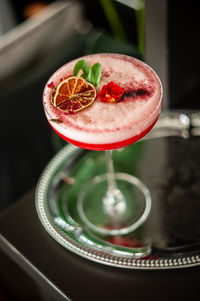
[105, 126]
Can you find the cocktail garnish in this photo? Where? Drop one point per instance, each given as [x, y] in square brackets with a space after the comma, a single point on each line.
[91, 74]
[111, 93]
[56, 120]
[73, 94]
[51, 85]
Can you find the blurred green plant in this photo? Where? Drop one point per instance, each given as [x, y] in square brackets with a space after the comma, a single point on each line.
[116, 24]
[113, 19]
[139, 14]
[99, 41]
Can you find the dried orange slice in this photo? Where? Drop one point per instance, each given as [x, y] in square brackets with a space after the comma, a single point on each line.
[73, 94]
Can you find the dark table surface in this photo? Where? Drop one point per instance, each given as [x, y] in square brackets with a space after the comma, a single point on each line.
[66, 276]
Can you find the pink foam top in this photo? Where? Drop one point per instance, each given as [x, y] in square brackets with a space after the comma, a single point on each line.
[103, 123]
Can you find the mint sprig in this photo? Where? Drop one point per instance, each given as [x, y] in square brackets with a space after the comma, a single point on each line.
[83, 66]
[91, 74]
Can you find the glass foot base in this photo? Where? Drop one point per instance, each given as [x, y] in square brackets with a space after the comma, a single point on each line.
[99, 215]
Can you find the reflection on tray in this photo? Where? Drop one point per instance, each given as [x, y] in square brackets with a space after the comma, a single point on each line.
[173, 176]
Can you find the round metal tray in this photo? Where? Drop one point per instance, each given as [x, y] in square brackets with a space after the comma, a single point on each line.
[167, 161]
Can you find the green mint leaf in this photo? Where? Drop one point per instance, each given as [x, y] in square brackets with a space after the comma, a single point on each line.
[96, 72]
[81, 65]
[91, 74]
[91, 77]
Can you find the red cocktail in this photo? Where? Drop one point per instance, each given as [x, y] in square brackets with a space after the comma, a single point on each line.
[108, 125]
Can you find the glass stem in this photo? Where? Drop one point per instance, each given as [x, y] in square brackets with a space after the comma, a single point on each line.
[114, 202]
[110, 171]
